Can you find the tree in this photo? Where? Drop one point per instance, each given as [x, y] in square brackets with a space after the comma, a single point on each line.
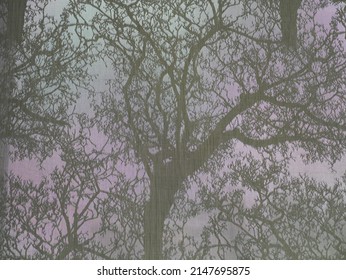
[41, 68]
[76, 211]
[193, 79]
[202, 90]
[290, 218]
[11, 31]
[15, 19]
[288, 15]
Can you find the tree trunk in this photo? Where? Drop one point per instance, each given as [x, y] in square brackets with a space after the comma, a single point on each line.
[11, 35]
[165, 184]
[3, 170]
[154, 218]
[16, 17]
[3, 113]
[166, 180]
[288, 14]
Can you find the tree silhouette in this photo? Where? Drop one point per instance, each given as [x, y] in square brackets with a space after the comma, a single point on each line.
[12, 21]
[288, 17]
[193, 80]
[290, 218]
[41, 67]
[16, 16]
[203, 91]
[288, 14]
[75, 211]
[11, 30]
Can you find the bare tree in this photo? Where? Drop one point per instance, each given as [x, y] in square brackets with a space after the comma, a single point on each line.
[198, 87]
[82, 210]
[193, 79]
[290, 218]
[12, 20]
[41, 68]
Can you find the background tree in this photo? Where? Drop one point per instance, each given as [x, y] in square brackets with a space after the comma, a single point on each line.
[290, 218]
[77, 211]
[42, 67]
[288, 15]
[15, 19]
[11, 29]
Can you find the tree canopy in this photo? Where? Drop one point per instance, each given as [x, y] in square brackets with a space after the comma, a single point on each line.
[207, 104]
